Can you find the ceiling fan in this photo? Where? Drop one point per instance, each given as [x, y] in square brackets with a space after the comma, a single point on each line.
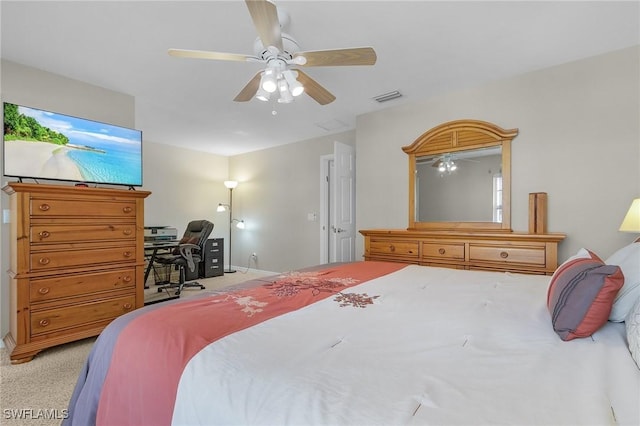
[446, 162]
[282, 56]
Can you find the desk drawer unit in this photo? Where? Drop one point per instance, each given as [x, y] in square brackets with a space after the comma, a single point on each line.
[77, 262]
[212, 264]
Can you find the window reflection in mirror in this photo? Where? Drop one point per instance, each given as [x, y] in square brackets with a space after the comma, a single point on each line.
[463, 186]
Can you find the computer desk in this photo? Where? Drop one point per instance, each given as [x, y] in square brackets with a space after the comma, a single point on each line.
[151, 249]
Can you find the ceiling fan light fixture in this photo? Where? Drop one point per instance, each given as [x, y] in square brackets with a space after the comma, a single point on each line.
[446, 165]
[262, 95]
[295, 87]
[285, 94]
[269, 83]
[299, 60]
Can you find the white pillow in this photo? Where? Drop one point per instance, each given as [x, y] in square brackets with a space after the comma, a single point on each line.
[633, 331]
[628, 259]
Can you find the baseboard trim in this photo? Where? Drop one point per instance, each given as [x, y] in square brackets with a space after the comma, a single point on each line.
[244, 270]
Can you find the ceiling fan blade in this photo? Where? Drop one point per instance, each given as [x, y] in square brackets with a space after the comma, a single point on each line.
[337, 57]
[265, 18]
[315, 90]
[203, 54]
[248, 92]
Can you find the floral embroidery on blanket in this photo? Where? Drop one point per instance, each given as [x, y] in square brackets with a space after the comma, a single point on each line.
[294, 282]
[354, 299]
[249, 305]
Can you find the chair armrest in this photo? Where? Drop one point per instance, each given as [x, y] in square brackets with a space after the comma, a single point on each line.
[186, 251]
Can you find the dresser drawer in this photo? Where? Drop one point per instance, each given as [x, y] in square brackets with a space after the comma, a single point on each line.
[51, 320]
[41, 290]
[396, 248]
[70, 233]
[528, 255]
[443, 251]
[44, 207]
[69, 258]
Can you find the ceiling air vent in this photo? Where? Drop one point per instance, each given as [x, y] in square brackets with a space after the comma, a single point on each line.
[387, 96]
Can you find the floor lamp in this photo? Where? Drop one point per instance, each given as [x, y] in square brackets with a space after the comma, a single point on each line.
[222, 207]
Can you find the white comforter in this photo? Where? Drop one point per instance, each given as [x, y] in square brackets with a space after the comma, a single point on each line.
[437, 346]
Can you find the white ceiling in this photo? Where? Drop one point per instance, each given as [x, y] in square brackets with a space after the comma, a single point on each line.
[424, 48]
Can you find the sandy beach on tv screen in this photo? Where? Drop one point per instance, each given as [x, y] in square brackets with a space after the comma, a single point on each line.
[39, 159]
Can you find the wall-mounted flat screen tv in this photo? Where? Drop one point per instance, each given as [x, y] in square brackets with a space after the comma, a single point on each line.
[40, 144]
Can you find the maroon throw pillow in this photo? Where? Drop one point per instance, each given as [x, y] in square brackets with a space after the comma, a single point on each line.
[581, 294]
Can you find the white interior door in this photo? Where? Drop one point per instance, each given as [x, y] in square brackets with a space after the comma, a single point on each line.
[343, 225]
[326, 219]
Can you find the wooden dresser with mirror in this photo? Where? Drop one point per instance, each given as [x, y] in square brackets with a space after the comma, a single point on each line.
[460, 206]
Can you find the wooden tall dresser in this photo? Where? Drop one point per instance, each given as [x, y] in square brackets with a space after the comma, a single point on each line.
[77, 262]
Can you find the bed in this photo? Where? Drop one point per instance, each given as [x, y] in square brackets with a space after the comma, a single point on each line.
[363, 343]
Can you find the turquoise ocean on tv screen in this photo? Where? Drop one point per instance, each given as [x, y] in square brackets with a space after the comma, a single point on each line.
[119, 164]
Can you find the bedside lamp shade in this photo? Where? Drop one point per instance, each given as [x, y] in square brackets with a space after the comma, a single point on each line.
[631, 222]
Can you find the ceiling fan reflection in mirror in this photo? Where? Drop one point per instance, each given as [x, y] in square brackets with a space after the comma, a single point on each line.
[281, 78]
[445, 163]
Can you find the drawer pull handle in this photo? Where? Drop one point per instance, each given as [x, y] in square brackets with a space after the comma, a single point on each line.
[44, 261]
[441, 251]
[44, 234]
[504, 254]
[43, 290]
[44, 207]
[126, 306]
[44, 322]
[127, 278]
[392, 248]
[127, 231]
[127, 254]
[127, 209]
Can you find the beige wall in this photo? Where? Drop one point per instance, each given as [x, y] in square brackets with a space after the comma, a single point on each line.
[278, 188]
[184, 185]
[579, 141]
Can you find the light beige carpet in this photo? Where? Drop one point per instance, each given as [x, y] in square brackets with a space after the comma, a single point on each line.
[37, 392]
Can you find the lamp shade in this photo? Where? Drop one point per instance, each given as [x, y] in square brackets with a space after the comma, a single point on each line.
[230, 184]
[631, 222]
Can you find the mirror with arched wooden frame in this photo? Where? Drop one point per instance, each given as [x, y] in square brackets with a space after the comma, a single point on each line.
[456, 138]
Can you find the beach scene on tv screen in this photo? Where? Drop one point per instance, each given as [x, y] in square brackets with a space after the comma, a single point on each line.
[43, 144]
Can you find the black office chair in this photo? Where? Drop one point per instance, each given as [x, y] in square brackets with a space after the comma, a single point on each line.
[187, 255]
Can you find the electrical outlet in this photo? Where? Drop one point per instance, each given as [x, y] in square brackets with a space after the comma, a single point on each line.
[254, 256]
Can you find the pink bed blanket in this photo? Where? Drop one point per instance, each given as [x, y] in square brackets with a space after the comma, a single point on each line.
[132, 374]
